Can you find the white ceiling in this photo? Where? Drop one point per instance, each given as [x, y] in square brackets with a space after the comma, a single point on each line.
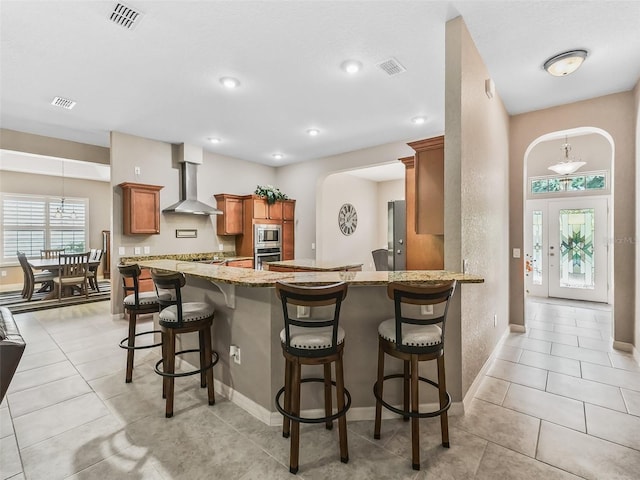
[161, 80]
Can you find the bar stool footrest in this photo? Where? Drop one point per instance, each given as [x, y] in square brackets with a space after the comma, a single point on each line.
[404, 413]
[127, 347]
[329, 418]
[162, 373]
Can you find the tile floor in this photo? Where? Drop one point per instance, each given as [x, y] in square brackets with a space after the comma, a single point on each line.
[556, 403]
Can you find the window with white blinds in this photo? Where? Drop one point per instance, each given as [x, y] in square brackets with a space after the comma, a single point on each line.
[32, 223]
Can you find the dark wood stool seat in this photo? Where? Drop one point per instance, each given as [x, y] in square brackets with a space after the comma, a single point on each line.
[413, 336]
[178, 317]
[135, 303]
[317, 340]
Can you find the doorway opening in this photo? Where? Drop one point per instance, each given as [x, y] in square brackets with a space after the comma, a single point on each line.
[568, 220]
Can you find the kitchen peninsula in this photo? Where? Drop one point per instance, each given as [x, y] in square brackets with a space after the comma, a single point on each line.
[309, 265]
[249, 315]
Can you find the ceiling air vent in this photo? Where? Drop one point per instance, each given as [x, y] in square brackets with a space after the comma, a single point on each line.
[392, 66]
[63, 102]
[125, 16]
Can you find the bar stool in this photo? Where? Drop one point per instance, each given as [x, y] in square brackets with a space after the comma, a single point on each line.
[421, 337]
[177, 317]
[136, 303]
[312, 341]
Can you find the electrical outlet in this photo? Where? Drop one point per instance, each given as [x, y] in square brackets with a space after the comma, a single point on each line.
[426, 309]
[465, 266]
[4, 273]
[147, 250]
[313, 246]
[136, 170]
[120, 250]
[137, 250]
[221, 247]
[303, 311]
[495, 320]
[234, 352]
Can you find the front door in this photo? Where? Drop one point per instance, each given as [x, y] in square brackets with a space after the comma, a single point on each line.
[566, 248]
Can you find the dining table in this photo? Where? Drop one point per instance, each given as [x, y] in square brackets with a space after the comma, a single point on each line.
[53, 265]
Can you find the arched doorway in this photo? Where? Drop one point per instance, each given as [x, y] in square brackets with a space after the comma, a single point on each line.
[568, 217]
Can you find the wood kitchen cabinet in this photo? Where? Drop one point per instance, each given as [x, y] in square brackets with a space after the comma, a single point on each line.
[248, 263]
[288, 227]
[288, 240]
[263, 210]
[141, 208]
[423, 251]
[429, 185]
[230, 222]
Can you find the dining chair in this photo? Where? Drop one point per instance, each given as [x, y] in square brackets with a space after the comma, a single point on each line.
[30, 279]
[51, 252]
[73, 273]
[95, 255]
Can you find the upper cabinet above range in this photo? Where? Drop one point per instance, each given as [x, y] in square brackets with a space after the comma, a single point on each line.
[140, 208]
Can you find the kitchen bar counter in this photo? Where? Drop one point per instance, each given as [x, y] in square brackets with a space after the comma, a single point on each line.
[262, 278]
[248, 314]
[304, 265]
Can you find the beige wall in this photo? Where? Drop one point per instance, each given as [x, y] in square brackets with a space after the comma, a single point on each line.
[614, 114]
[302, 180]
[476, 200]
[98, 194]
[339, 189]
[159, 166]
[636, 103]
[53, 147]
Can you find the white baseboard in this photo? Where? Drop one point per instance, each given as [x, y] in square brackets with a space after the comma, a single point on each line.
[625, 347]
[354, 414]
[471, 393]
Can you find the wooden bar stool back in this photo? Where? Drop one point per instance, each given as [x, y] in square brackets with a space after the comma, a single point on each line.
[135, 303]
[415, 334]
[178, 317]
[316, 340]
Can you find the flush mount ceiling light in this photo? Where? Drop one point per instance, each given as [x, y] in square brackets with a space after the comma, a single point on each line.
[351, 66]
[214, 140]
[418, 120]
[313, 132]
[568, 165]
[230, 82]
[278, 156]
[565, 63]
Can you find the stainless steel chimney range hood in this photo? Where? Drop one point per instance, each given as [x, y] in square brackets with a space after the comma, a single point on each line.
[189, 203]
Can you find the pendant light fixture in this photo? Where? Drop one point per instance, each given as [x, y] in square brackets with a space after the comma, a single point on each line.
[60, 213]
[568, 165]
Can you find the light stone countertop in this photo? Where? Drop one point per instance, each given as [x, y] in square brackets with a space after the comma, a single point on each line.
[313, 265]
[260, 278]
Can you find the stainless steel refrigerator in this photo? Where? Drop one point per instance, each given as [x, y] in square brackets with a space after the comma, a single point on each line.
[396, 231]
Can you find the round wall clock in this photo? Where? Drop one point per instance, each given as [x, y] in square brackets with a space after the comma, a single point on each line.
[347, 219]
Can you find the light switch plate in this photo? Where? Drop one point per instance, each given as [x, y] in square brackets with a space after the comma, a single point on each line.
[516, 253]
[120, 250]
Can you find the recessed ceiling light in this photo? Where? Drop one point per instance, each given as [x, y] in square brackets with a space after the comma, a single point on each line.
[351, 66]
[230, 82]
[565, 63]
[278, 156]
[418, 120]
[313, 132]
[214, 140]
